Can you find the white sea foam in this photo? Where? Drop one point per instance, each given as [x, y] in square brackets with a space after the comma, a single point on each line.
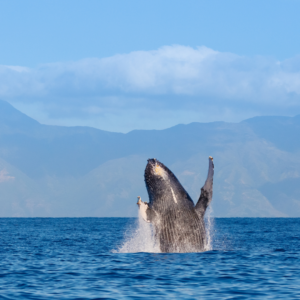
[140, 239]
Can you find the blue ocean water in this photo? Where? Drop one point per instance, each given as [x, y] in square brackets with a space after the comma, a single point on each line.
[85, 258]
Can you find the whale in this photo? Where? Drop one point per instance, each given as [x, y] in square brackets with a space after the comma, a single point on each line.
[178, 223]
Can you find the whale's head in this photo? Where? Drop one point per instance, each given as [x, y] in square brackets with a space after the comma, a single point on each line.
[156, 171]
[161, 183]
[157, 178]
[163, 187]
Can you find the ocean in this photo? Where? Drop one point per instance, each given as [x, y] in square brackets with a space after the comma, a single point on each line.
[116, 258]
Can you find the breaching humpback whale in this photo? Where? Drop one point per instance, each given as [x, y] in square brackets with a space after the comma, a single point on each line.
[178, 223]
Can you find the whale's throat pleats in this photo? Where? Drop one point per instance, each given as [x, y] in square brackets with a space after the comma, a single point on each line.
[177, 235]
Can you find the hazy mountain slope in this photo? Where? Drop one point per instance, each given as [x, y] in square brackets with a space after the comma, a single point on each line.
[81, 171]
[283, 132]
[284, 195]
[20, 195]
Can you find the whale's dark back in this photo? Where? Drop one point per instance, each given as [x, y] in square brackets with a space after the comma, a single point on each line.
[178, 228]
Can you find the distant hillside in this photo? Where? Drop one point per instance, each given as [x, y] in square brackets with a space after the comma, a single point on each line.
[80, 171]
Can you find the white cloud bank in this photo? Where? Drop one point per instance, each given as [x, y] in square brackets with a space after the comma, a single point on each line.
[189, 83]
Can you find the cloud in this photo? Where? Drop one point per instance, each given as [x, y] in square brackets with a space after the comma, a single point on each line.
[170, 79]
[5, 177]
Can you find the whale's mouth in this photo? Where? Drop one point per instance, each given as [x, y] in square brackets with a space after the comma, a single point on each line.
[152, 161]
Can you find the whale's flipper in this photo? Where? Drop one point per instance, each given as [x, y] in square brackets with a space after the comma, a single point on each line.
[206, 191]
[146, 212]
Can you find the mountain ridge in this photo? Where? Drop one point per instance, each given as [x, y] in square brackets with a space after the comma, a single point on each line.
[83, 171]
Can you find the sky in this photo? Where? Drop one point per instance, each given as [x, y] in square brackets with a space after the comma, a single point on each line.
[125, 65]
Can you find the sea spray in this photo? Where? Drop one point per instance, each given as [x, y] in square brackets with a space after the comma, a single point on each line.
[209, 226]
[140, 239]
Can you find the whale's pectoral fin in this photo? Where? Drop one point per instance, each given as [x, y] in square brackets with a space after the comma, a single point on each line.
[206, 191]
[145, 211]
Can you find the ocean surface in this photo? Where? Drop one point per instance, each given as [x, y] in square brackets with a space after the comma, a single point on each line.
[116, 258]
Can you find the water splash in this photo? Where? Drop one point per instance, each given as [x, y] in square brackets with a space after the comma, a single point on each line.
[209, 226]
[140, 240]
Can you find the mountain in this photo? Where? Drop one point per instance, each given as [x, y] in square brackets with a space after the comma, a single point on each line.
[56, 171]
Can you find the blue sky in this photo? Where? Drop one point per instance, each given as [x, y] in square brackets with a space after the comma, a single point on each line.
[123, 65]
